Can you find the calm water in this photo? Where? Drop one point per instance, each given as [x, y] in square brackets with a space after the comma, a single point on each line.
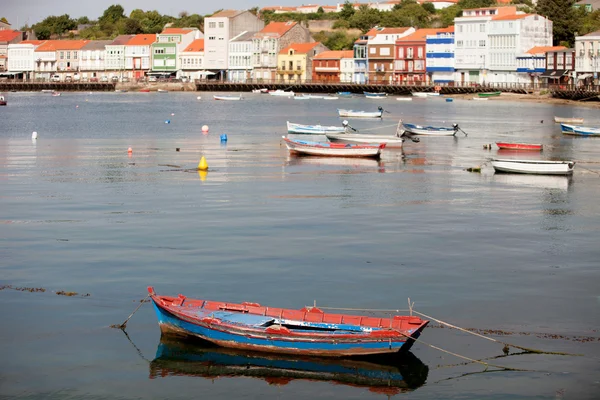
[485, 251]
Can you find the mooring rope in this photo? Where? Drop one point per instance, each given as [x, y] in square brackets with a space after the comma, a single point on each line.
[378, 127]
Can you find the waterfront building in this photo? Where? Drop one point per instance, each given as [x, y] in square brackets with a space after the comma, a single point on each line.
[588, 5]
[295, 61]
[58, 57]
[347, 66]
[8, 37]
[219, 29]
[587, 55]
[560, 65]
[240, 57]
[171, 41]
[20, 58]
[327, 66]
[510, 36]
[268, 42]
[138, 55]
[360, 60]
[532, 64]
[381, 45]
[411, 57]
[192, 61]
[439, 49]
[114, 59]
[92, 60]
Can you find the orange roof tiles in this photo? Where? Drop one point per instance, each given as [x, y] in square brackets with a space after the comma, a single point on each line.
[141, 40]
[300, 48]
[277, 28]
[196, 45]
[279, 8]
[419, 35]
[53, 45]
[33, 42]
[176, 31]
[510, 17]
[8, 35]
[331, 55]
[545, 49]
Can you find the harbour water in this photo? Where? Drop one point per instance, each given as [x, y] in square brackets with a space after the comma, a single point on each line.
[511, 256]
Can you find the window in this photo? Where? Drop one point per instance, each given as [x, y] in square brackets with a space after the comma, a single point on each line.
[459, 43]
[420, 52]
[159, 51]
[68, 55]
[372, 50]
[482, 43]
[550, 61]
[481, 27]
[170, 50]
[221, 24]
[62, 55]
[460, 28]
[212, 37]
[409, 52]
[401, 52]
[384, 51]
[212, 25]
[75, 55]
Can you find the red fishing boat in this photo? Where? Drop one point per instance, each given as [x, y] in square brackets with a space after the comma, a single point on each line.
[519, 146]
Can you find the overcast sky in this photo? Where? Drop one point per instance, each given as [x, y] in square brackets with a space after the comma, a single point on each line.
[20, 12]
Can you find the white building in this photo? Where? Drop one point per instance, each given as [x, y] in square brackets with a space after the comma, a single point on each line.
[191, 60]
[91, 62]
[115, 54]
[347, 66]
[219, 29]
[511, 36]
[587, 55]
[439, 50]
[532, 64]
[21, 57]
[240, 57]
[138, 55]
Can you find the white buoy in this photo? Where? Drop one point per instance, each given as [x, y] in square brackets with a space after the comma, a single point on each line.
[199, 97]
[205, 128]
[34, 135]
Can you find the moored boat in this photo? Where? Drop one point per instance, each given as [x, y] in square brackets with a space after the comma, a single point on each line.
[313, 129]
[55, 94]
[431, 130]
[162, 91]
[2, 101]
[404, 98]
[144, 90]
[345, 94]
[568, 120]
[280, 92]
[489, 94]
[360, 114]
[330, 149]
[359, 138]
[541, 167]
[308, 331]
[519, 146]
[578, 130]
[228, 98]
[373, 95]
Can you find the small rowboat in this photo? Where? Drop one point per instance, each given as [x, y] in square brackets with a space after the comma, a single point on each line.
[425, 94]
[404, 98]
[304, 147]
[359, 138]
[228, 98]
[360, 114]
[144, 90]
[345, 94]
[55, 94]
[489, 94]
[568, 120]
[308, 331]
[313, 129]
[371, 95]
[260, 90]
[431, 130]
[519, 146]
[540, 167]
[280, 92]
[162, 91]
[480, 98]
[2, 101]
[578, 130]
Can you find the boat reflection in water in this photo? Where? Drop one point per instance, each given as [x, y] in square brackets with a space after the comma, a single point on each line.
[551, 182]
[389, 375]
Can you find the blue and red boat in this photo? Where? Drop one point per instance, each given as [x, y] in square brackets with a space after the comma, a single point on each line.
[308, 331]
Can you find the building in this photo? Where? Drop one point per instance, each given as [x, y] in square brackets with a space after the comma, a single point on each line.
[411, 57]
[20, 59]
[347, 65]
[588, 5]
[5, 26]
[138, 57]
[92, 61]
[510, 36]
[268, 42]
[361, 60]
[587, 53]
[60, 57]
[471, 54]
[559, 67]
[295, 61]
[532, 64]
[171, 41]
[240, 57]
[192, 60]
[381, 44]
[219, 29]
[327, 66]
[114, 61]
[439, 49]
[8, 37]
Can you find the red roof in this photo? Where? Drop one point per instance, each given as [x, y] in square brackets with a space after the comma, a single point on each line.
[545, 49]
[331, 55]
[141, 40]
[277, 28]
[196, 45]
[33, 42]
[8, 35]
[53, 45]
[386, 31]
[420, 35]
[510, 17]
[300, 48]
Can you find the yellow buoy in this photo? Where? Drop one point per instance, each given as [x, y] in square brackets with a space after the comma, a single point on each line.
[203, 165]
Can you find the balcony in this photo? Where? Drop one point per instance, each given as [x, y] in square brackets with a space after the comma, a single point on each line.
[327, 69]
[284, 71]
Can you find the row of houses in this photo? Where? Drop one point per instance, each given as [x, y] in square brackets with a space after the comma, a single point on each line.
[376, 5]
[493, 45]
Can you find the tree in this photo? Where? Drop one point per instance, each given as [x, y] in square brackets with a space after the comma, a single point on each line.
[83, 20]
[347, 11]
[254, 10]
[112, 14]
[365, 18]
[464, 4]
[132, 26]
[320, 10]
[3, 19]
[565, 19]
[403, 3]
[429, 7]
[43, 32]
[448, 14]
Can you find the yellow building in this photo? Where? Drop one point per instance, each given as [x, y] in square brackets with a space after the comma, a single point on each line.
[294, 63]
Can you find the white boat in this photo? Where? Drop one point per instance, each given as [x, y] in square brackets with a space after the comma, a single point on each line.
[359, 138]
[404, 98]
[260, 90]
[360, 114]
[55, 94]
[47, 91]
[568, 120]
[228, 98]
[378, 95]
[540, 167]
[425, 94]
[431, 130]
[579, 130]
[162, 91]
[330, 98]
[280, 92]
[480, 98]
[313, 129]
[332, 149]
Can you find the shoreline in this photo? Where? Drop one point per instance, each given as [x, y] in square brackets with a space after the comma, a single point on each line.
[533, 98]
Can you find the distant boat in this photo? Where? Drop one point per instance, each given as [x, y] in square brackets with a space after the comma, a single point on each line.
[538, 167]
[489, 94]
[47, 91]
[578, 130]
[144, 90]
[344, 94]
[162, 91]
[431, 130]
[359, 138]
[228, 98]
[330, 98]
[279, 92]
[55, 94]
[568, 120]
[260, 90]
[404, 98]
[372, 95]
[425, 94]
[480, 98]
[2, 101]
[360, 114]
[519, 146]
[313, 129]
[329, 149]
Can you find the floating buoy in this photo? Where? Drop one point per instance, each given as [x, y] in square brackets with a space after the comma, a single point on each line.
[199, 97]
[204, 128]
[34, 135]
[176, 148]
[168, 121]
[129, 150]
[449, 100]
[203, 165]
[77, 106]
[223, 138]
[172, 114]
